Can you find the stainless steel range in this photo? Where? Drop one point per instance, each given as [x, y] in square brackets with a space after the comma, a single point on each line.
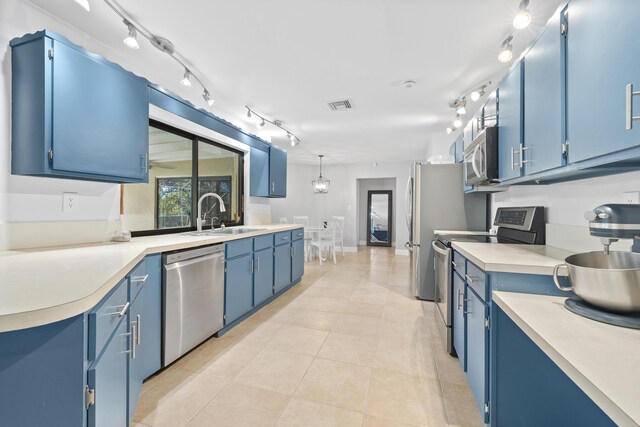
[515, 225]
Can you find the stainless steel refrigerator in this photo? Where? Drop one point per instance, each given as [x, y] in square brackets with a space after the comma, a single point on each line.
[436, 200]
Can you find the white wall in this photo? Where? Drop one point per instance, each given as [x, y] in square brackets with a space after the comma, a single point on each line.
[342, 198]
[38, 201]
[364, 186]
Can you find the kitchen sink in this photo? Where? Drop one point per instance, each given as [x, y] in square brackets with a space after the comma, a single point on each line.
[225, 231]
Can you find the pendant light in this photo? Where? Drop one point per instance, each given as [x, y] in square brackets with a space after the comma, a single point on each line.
[321, 185]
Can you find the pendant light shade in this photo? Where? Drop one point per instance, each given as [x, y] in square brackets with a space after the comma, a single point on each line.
[321, 185]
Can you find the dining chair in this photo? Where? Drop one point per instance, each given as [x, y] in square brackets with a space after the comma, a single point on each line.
[283, 220]
[324, 240]
[339, 221]
[304, 221]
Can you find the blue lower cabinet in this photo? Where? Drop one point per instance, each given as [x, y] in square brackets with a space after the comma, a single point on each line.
[262, 276]
[528, 388]
[297, 260]
[282, 267]
[238, 292]
[477, 350]
[107, 379]
[458, 319]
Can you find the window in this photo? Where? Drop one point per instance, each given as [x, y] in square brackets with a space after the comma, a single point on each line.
[177, 161]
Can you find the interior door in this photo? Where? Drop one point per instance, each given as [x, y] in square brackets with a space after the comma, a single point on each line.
[379, 218]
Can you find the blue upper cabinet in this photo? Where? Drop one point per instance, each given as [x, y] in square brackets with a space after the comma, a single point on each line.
[511, 125]
[268, 172]
[543, 101]
[603, 58]
[459, 152]
[277, 172]
[76, 115]
[490, 112]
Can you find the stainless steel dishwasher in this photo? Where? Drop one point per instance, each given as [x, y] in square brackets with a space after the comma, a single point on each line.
[193, 295]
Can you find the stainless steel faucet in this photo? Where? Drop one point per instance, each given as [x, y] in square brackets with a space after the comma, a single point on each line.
[204, 196]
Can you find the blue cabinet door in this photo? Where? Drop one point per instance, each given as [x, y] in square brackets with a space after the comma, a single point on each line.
[259, 176]
[490, 111]
[603, 57]
[145, 319]
[277, 172]
[543, 98]
[477, 349]
[263, 275]
[297, 260]
[282, 267]
[458, 298]
[108, 378]
[511, 124]
[100, 117]
[238, 290]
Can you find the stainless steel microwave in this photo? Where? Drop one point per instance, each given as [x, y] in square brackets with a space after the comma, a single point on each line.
[481, 158]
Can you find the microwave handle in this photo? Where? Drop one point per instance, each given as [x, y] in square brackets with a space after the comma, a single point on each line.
[473, 162]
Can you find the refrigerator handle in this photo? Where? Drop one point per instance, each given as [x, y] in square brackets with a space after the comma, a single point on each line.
[408, 197]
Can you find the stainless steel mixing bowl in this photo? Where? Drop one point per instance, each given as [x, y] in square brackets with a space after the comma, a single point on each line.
[609, 281]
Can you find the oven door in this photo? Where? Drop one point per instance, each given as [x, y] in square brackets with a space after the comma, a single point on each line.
[442, 265]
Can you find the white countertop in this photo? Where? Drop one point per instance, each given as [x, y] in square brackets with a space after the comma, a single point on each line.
[462, 233]
[508, 258]
[41, 286]
[601, 359]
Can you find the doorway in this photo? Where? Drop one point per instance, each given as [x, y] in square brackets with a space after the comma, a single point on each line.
[379, 218]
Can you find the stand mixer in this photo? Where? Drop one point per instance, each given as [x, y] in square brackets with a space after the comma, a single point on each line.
[612, 222]
[607, 283]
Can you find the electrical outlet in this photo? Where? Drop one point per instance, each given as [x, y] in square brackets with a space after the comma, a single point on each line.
[69, 202]
[632, 197]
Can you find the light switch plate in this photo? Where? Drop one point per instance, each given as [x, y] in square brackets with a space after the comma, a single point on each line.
[69, 202]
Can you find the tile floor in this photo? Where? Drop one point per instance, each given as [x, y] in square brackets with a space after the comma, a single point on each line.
[348, 346]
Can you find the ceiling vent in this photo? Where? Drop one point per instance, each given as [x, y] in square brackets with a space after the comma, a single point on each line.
[340, 105]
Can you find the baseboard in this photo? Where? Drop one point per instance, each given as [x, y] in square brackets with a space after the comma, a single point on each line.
[402, 252]
[362, 243]
[350, 249]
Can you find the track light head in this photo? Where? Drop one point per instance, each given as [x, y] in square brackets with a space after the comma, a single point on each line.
[186, 80]
[449, 131]
[457, 122]
[131, 40]
[506, 55]
[261, 124]
[461, 107]
[84, 4]
[207, 97]
[523, 18]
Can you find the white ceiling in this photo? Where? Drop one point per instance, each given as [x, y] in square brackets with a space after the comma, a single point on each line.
[287, 58]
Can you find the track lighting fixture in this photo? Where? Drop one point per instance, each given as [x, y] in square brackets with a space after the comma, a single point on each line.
[461, 107]
[263, 121]
[134, 29]
[186, 80]
[457, 122]
[131, 39]
[523, 18]
[84, 4]
[207, 97]
[506, 55]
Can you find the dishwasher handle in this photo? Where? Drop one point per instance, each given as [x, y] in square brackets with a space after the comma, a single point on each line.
[188, 262]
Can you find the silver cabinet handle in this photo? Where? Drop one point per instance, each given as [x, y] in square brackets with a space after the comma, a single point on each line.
[460, 295]
[133, 343]
[455, 264]
[470, 279]
[139, 279]
[273, 186]
[257, 264]
[513, 157]
[522, 150]
[251, 266]
[138, 329]
[144, 163]
[466, 301]
[629, 110]
[123, 311]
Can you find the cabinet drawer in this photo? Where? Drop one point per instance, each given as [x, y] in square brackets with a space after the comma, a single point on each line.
[262, 242]
[282, 238]
[297, 234]
[238, 247]
[105, 318]
[137, 279]
[477, 280]
[458, 263]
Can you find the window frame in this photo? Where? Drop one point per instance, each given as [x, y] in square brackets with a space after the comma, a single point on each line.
[195, 139]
